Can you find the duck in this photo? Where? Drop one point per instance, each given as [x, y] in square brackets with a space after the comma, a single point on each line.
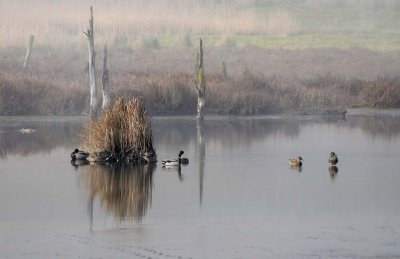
[150, 157]
[174, 162]
[333, 159]
[79, 155]
[296, 161]
[184, 160]
[26, 130]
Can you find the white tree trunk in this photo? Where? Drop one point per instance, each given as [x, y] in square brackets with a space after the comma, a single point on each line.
[201, 87]
[92, 68]
[28, 52]
[105, 82]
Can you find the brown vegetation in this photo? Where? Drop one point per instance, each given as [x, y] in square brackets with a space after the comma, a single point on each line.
[278, 81]
[25, 96]
[122, 133]
[247, 94]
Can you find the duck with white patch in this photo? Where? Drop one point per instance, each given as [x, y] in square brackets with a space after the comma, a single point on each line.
[174, 162]
[333, 159]
[26, 130]
[296, 162]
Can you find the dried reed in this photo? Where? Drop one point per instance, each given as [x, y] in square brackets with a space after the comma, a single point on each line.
[123, 132]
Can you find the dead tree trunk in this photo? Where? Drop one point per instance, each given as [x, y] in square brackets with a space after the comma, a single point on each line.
[28, 52]
[92, 68]
[201, 84]
[105, 82]
[224, 73]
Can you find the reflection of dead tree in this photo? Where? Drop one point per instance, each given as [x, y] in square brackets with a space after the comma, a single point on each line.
[202, 155]
[123, 189]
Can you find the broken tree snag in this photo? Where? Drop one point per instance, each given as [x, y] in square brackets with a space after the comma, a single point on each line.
[105, 82]
[201, 84]
[224, 73]
[28, 52]
[92, 69]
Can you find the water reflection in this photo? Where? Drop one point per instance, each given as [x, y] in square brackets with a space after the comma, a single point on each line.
[77, 163]
[48, 133]
[123, 189]
[377, 126]
[245, 130]
[54, 132]
[201, 149]
[333, 171]
[177, 169]
[296, 168]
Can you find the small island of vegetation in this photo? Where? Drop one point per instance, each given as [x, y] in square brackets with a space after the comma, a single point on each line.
[123, 133]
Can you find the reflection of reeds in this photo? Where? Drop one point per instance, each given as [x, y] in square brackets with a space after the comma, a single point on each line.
[122, 188]
[385, 127]
[124, 129]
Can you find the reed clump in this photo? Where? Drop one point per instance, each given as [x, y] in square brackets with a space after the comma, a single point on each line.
[122, 133]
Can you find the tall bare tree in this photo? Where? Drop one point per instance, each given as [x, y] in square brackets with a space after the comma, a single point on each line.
[105, 81]
[201, 83]
[28, 51]
[92, 68]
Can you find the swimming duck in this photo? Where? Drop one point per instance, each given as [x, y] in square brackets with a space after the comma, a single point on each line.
[333, 159]
[184, 160]
[26, 130]
[296, 161]
[150, 157]
[79, 155]
[174, 162]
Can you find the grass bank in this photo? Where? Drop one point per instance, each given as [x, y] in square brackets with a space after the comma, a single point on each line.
[259, 81]
[247, 94]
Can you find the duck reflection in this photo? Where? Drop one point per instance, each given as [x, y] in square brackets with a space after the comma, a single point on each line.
[123, 189]
[299, 169]
[333, 171]
[77, 163]
[178, 169]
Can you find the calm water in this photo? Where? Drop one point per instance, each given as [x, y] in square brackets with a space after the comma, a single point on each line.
[238, 197]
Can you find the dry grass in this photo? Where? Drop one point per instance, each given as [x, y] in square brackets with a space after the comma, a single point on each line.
[246, 94]
[57, 82]
[60, 23]
[23, 96]
[123, 131]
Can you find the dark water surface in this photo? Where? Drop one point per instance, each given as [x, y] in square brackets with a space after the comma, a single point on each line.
[238, 197]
